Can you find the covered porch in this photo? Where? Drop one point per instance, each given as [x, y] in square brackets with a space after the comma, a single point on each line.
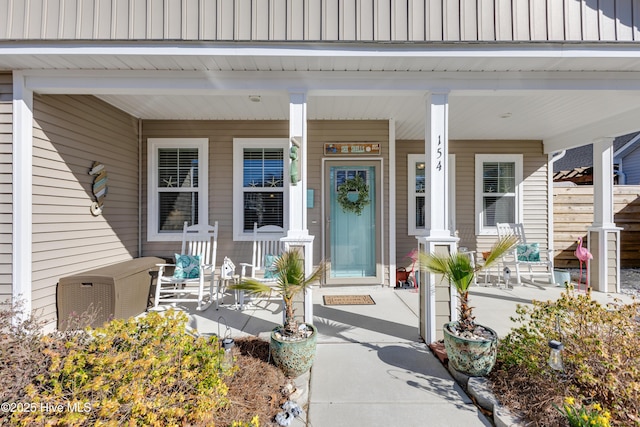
[490, 100]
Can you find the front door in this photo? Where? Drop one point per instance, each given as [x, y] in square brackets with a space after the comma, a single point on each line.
[352, 229]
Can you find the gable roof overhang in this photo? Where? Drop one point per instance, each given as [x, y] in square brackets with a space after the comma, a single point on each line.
[627, 148]
[565, 94]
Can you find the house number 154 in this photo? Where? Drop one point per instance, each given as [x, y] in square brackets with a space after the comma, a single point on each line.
[439, 155]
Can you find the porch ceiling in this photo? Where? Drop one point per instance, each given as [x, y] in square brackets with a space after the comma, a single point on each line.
[563, 94]
[539, 115]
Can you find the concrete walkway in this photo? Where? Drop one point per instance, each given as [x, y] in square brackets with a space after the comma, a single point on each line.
[372, 369]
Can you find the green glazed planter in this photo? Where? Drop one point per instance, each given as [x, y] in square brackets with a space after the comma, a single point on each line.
[294, 358]
[471, 357]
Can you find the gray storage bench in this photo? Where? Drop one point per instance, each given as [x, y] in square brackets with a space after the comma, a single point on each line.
[117, 291]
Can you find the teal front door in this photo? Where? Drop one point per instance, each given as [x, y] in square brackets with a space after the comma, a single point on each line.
[353, 232]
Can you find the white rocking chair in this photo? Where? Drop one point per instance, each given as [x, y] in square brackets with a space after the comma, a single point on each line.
[199, 247]
[526, 254]
[267, 247]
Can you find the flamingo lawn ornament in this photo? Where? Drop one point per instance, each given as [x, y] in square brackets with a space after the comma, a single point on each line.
[583, 255]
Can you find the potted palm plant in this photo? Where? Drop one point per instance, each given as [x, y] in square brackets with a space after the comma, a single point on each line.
[293, 344]
[471, 348]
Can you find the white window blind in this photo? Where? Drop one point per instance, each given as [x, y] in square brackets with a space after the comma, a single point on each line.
[263, 183]
[498, 188]
[176, 193]
[260, 178]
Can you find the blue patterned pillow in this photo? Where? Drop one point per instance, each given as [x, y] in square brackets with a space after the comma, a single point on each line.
[529, 252]
[187, 267]
[269, 266]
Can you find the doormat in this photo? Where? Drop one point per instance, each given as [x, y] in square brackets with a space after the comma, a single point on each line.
[348, 300]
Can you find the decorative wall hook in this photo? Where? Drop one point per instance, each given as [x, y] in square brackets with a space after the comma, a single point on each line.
[99, 187]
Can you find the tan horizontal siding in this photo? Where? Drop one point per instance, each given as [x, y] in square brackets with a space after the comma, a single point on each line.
[321, 20]
[323, 131]
[404, 242]
[6, 188]
[534, 196]
[220, 135]
[70, 133]
[534, 199]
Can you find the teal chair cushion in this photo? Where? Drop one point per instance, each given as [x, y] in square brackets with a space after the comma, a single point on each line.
[187, 267]
[529, 252]
[269, 266]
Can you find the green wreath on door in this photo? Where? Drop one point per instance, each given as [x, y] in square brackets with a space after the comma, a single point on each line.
[353, 195]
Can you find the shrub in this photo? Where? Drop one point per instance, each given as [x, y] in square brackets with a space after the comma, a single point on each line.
[21, 356]
[140, 371]
[601, 357]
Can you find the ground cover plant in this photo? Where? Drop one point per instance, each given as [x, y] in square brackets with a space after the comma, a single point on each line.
[145, 371]
[600, 382]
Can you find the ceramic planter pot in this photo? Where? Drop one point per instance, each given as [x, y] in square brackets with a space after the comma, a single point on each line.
[473, 357]
[294, 358]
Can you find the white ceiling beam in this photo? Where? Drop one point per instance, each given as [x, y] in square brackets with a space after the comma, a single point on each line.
[331, 50]
[343, 83]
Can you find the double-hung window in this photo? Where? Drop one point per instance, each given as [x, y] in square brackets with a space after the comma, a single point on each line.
[176, 185]
[417, 191]
[498, 190]
[417, 186]
[260, 193]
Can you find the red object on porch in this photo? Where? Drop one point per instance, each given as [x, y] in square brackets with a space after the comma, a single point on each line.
[402, 276]
[408, 277]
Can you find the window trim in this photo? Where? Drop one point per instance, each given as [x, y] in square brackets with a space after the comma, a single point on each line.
[239, 144]
[412, 159]
[153, 144]
[517, 159]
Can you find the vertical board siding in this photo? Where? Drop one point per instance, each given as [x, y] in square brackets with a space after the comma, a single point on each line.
[416, 20]
[326, 20]
[70, 133]
[538, 20]
[451, 20]
[434, 21]
[521, 25]
[347, 18]
[486, 14]
[573, 214]
[469, 20]
[6, 187]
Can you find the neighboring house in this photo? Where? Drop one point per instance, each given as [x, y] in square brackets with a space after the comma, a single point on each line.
[449, 110]
[627, 158]
[577, 164]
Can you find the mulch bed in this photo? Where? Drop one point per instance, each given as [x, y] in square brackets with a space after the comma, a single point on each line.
[258, 388]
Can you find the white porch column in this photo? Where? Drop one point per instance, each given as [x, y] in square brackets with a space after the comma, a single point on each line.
[604, 236]
[437, 299]
[437, 151]
[298, 234]
[22, 191]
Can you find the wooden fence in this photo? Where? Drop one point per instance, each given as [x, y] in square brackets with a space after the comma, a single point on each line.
[573, 214]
